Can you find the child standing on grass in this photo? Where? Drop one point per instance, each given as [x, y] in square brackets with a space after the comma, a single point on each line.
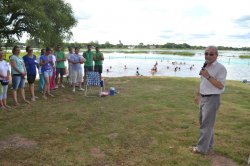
[4, 80]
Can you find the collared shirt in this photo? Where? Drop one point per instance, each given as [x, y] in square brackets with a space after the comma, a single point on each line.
[218, 72]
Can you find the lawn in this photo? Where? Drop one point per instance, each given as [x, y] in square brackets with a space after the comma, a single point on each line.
[150, 121]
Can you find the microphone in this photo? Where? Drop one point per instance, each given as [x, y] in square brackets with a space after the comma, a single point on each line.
[204, 66]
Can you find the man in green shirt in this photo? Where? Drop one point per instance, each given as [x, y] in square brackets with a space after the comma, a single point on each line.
[88, 65]
[98, 58]
[60, 65]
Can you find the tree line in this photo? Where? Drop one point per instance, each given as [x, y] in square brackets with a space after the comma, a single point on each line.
[35, 43]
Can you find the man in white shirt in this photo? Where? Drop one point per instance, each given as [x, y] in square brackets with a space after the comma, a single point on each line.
[213, 78]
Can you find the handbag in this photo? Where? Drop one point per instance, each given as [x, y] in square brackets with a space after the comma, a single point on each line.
[4, 82]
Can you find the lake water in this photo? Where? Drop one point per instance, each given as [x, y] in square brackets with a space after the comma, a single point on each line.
[238, 69]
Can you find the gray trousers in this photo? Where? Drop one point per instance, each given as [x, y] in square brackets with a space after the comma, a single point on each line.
[208, 108]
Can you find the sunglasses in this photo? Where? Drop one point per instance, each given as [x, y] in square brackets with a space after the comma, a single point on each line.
[210, 54]
[30, 50]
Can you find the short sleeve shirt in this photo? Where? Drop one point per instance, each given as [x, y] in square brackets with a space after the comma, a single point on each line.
[88, 55]
[4, 68]
[19, 64]
[98, 55]
[59, 56]
[47, 60]
[76, 58]
[217, 71]
[30, 64]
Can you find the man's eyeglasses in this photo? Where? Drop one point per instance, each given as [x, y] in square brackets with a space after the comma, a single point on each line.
[210, 54]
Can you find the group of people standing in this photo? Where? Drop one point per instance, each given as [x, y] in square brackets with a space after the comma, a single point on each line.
[51, 69]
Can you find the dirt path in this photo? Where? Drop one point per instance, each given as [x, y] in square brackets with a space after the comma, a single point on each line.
[219, 160]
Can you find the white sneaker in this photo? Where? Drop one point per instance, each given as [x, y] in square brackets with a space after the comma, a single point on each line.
[63, 86]
[81, 89]
[73, 90]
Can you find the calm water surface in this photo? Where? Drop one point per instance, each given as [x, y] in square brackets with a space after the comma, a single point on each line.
[238, 69]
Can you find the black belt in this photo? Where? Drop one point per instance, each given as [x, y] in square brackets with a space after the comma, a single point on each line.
[209, 95]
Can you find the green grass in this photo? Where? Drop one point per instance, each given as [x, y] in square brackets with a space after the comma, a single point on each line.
[244, 56]
[151, 121]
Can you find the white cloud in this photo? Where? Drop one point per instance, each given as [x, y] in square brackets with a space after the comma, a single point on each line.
[197, 22]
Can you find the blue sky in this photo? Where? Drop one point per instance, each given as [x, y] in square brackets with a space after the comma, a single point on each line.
[196, 22]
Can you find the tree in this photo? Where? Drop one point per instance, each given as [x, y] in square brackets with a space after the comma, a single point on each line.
[141, 45]
[120, 45]
[49, 21]
[33, 43]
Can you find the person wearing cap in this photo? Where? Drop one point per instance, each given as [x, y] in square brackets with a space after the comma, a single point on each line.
[60, 65]
[31, 65]
[89, 57]
[46, 62]
[98, 58]
[18, 73]
[213, 79]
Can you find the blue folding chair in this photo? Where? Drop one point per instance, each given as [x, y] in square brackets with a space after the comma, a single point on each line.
[92, 80]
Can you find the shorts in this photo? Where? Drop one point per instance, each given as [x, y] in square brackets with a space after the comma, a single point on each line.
[60, 71]
[31, 78]
[3, 91]
[18, 81]
[88, 68]
[47, 74]
[98, 68]
[76, 76]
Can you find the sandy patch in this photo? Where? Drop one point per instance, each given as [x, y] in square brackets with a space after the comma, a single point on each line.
[17, 141]
[97, 153]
